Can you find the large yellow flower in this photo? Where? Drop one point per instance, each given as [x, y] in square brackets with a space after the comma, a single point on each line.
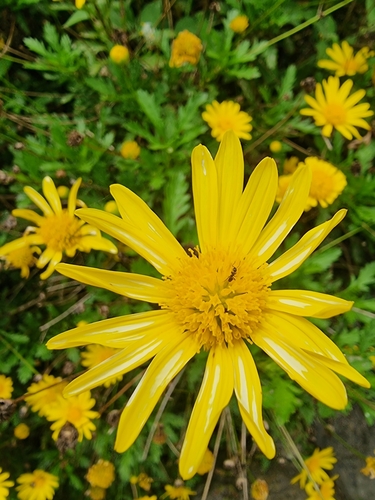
[37, 485]
[58, 228]
[227, 115]
[216, 298]
[343, 61]
[334, 108]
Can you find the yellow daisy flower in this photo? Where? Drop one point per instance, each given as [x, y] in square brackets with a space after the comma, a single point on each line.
[218, 298]
[177, 492]
[186, 48]
[369, 470]
[58, 228]
[21, 431]
[239, 23]
[37, 485]
[327, 183]
[101, 474]
[143, 480]
[207, 462]
[5, 484]
[77, 411]
[326, 489]
[6, 387]
[334, 108]
[343, 61]
[40, 395]
[225, 116]
[259, 489]
[119, 54]
[95, 354]
[130, 150]
[20, 258]
[319, 460]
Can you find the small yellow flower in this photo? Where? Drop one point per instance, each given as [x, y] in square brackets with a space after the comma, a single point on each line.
[326, 489]
[225, 116]
[77, 411]
[327, 183]
[334, 108]
[186, 48]
[5, 484]
[239, 24]
[177, 492]
[207, 463]
[276, 146]
[21, 431]
[130, 150]
[37, 485]
[259, 489]
[40, 395]
[152, 497]
[58, 228]
[6, 387]
[63, 192]
[101, 474]
[290, 165]
[319, 460]
[369, 470]
[143, 480]
[96, 493]
[119, 54]
[95, 354]
[343, 61]
[111, 207]
[20, 258]
[80, 3]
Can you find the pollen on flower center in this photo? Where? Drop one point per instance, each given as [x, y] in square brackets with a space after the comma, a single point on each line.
[335, 114]
[218, 297]
[61, 231]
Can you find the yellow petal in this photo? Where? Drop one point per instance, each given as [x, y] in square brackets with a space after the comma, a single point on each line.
[249, 395]
[288, 213]
[39, 201]
[72, 200]
[205, 191]
[295, 256]
[342, 368]
[46, 257]
[310, 374]
[135, 286]
[138, 352]
[13, 245]
[307, 303]
[114, 332]
[230, 177]
[255, 205]
[155, 250]
[163, 368]
[214, 395]
[56, 259]
[28, 215]
[51, 194]
[97, 243]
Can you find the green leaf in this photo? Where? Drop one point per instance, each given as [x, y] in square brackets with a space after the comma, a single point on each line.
[77, 17]
[245, 73]
[287, 84]
[24, 373]
[365, 278]
[148, 105]
[320, 262]
[176, 202]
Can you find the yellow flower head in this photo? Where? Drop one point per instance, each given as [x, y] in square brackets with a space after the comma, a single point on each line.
[290, 165]
[276, 146]
[217, 297]
[343, 61]
[21, 431]
[111, 207]
[80, 3]
[77, 411]
[327, 183]
[317, 464]
[40, 395]
[186, 48]
[207, 463]
[143, 480]
[5, 484]
[239, 24]
[369, 470]
[130, 150]
[147, 497]
[177, 492]
[58, 228]
[326, 489]
[96, 493]
[21, 257]
[101, 474]
[227, 115]
[6, 387]
[37, 485]
[119, 54]
[259, 489]
[334, 108]
[95, 354]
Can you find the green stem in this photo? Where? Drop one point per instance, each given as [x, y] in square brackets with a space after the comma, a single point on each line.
[18, 355]
[345, 443]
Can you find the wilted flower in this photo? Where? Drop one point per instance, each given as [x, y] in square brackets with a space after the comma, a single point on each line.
[369, 470]
[186, 48]
[259, 489]
[101, 474]
[177, 492]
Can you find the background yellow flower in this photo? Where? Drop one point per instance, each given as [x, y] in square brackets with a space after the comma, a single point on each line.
[343, 60]
[186, 48]
[225, 116]
[37, 485]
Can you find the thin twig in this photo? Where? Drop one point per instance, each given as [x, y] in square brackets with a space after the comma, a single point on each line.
[66, 313]
[121, 392]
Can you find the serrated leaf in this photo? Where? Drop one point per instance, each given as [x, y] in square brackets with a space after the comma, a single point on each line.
[245, 73]
[149, 107]
[176, 202]
[24, 373]
[36, 46]
[288, 82]
[320, 262]
[365, 278]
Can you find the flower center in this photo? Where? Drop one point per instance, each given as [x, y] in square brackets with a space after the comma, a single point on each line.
[61, 231]
[321, 185]
[21, 257]
[74, 415]
[335, 113]
[218, 297]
